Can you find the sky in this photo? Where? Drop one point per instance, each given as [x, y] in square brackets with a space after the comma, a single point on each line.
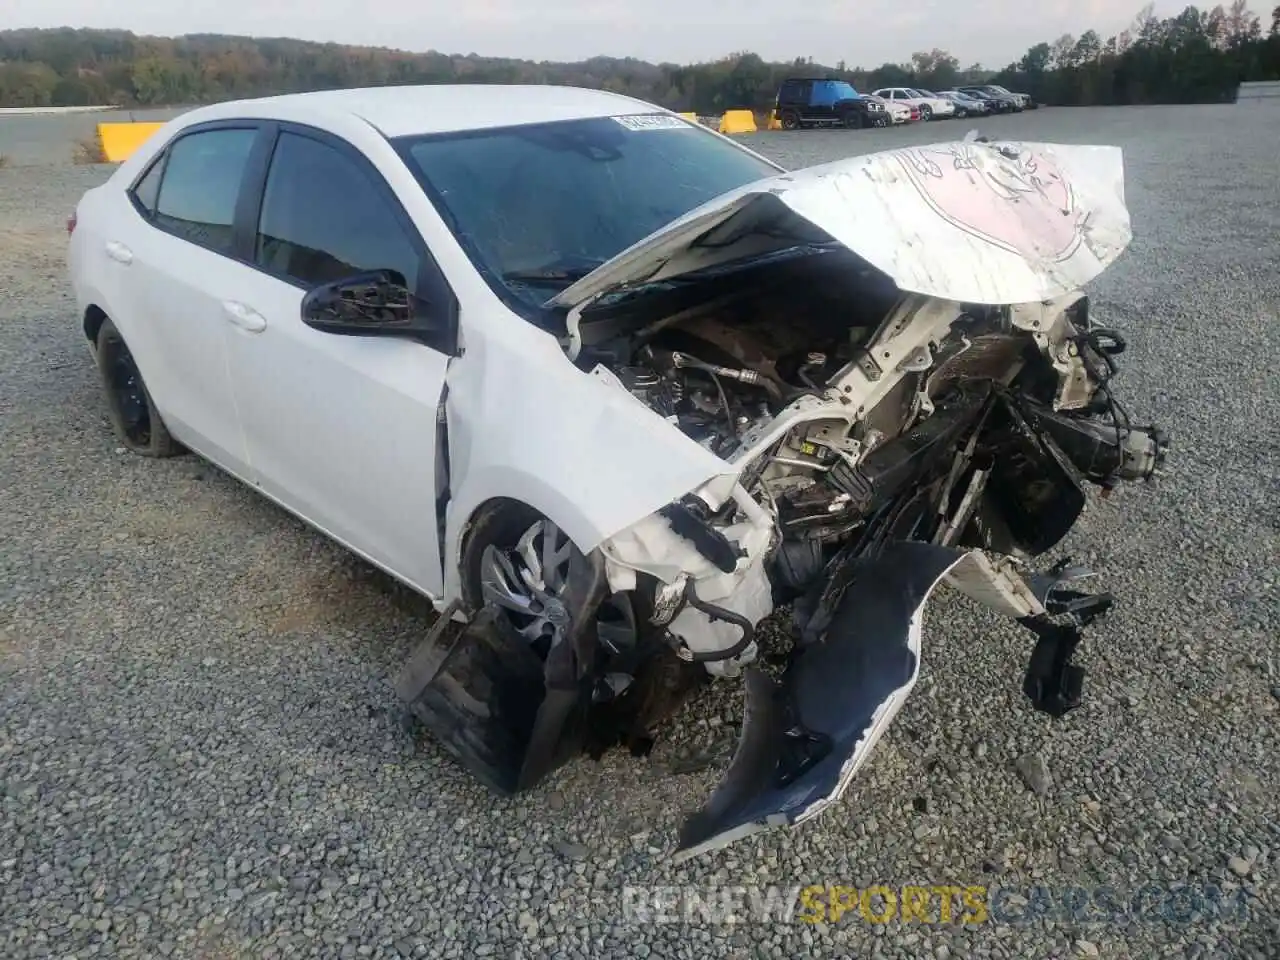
[866, 33]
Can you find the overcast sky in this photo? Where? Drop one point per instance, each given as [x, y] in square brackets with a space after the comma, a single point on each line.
[866, 33]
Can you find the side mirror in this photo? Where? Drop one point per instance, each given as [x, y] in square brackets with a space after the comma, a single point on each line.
[373, 304]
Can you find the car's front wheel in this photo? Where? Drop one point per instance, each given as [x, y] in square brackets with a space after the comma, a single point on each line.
[133, 413]
[853, 120]
[523, 571]
[926, 112]
[790, 120]
[508, 699]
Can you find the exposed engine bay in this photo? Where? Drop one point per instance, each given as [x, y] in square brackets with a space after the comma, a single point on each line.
[861, 416]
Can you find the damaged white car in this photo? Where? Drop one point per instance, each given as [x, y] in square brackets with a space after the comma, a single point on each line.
[611, 389]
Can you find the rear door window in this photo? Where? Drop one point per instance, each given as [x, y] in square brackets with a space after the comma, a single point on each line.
[793, 91]
[201, 184]
[324, 218]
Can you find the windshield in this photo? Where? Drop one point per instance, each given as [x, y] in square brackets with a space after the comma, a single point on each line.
[539, 206]
[832, 91]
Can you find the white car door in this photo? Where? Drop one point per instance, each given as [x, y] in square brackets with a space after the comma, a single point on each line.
[174, 255]
[340, 429]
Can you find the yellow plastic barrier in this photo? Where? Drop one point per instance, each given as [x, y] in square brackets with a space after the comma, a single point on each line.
[691, 117]
[120, 140]
[738, 121]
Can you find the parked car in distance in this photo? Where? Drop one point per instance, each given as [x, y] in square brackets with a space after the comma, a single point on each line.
[822, 102]
[927, 107]
[1000, 102]
[1024, 98]
[895, 113]
[940, 107]
[966, 106]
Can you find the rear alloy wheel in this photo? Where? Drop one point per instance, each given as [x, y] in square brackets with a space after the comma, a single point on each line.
[133, 413]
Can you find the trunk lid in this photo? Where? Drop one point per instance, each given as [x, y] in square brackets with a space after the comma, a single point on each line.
[973, 222]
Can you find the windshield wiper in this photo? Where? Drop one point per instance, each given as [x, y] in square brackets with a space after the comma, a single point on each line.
[554, 274]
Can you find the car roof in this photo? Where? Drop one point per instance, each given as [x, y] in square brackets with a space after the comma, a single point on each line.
[434, 108]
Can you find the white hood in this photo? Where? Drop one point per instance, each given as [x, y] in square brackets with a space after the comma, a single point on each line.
[993, 223]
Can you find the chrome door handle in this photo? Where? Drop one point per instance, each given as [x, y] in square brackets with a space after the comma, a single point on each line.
[244, 317]
[119, 252]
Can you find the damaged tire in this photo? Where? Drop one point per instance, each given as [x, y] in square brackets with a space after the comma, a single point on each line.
[508, 694]
[133, 413]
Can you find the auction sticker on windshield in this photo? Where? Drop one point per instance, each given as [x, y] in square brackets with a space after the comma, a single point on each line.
[652, 122]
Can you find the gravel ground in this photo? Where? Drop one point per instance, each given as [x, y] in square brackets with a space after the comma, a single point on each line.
[201, 754]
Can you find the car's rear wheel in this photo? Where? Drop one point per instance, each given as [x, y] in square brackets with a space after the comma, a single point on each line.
[133, 413]
[926, 112]
[790, 120]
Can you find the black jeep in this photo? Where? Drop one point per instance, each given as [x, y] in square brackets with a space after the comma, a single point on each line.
[824, 101]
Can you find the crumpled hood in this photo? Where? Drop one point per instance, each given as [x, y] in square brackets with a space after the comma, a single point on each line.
[992, 223]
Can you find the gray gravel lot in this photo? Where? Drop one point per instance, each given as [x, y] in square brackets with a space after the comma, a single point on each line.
[201, 755]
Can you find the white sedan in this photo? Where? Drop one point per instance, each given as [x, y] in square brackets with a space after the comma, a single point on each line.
[896, 112]
[930, 107]
[609, 388]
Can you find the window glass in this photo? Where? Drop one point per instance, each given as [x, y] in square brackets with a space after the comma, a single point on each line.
[201, 185]
[148, 188]
[323, 218]
[827, 92]
[538, 206]
[792, 90]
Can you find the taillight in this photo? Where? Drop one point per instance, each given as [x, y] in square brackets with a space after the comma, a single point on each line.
[71, 224]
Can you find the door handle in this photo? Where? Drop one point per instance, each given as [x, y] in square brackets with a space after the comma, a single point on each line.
[119, 252]
[244, 317]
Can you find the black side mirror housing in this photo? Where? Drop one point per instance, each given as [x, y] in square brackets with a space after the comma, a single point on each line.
[376, 303]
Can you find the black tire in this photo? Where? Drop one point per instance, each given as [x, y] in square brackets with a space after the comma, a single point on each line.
[926, 112]
[853, 120]
[789, 119]
[962, 113]
[133, 413]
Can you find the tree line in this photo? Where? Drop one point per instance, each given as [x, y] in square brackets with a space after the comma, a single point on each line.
[1196, 56]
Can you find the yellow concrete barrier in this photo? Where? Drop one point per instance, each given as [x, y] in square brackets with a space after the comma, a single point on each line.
[691, 117]
[738, 121]
[120, 140]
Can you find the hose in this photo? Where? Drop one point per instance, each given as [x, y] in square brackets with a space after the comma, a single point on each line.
[717, 613]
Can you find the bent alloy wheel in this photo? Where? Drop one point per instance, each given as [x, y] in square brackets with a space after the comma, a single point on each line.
[132, 411]
[527, 582]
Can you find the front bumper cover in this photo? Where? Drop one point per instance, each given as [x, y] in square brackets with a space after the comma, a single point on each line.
[805, 737]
